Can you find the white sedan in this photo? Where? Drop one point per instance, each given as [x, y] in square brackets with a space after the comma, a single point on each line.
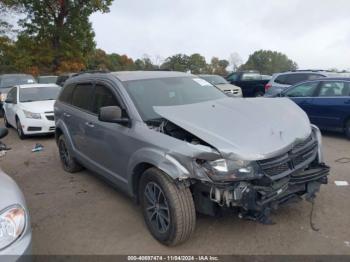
[29, 108]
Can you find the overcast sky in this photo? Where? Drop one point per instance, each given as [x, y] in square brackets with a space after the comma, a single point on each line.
[314, 33]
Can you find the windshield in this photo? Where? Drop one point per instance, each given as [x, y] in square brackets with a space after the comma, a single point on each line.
[169, 92]
[215, 80]
[47, 79]
[31, 94]
[13, 80]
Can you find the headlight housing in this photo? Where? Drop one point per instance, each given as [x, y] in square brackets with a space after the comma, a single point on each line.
[230, 170]
[32, 115]
[12, 225]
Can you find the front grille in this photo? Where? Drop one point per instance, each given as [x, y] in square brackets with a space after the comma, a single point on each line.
[295, 159]
[34, 128]
[51, 118]
[230, 91]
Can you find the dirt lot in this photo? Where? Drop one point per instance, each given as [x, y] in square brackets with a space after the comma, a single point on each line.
[81, 214]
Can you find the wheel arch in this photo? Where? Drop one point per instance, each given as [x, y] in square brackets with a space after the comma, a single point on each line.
[147, 158]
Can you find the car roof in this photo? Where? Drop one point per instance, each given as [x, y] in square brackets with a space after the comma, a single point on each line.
[37, 85]
[139, 75]
[209, 75]
[332, 79]
[15, 75]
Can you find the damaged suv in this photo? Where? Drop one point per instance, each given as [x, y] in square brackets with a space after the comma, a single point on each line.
[178, 145]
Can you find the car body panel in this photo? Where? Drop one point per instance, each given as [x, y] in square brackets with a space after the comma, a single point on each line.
[216, 122]
[10, 195]
[231, 90]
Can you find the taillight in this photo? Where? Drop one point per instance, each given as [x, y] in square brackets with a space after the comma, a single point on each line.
[267, 86]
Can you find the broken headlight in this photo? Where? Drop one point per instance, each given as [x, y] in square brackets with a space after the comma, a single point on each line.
[230, 170]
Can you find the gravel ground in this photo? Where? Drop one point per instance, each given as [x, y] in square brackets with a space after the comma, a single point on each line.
[81, 214]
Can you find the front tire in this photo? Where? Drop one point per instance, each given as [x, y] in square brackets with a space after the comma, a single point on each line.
[19, 128]
[69, 163]
[168, 209]
[347, 129]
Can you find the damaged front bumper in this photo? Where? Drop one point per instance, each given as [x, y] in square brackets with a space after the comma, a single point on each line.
[255, 199]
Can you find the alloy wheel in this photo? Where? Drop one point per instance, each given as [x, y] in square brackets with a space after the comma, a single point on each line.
[157, 207]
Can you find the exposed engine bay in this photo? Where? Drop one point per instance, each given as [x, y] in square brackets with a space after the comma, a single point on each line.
[295, 174]
[166, 127]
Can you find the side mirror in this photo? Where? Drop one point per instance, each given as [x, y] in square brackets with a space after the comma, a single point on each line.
[112, 114]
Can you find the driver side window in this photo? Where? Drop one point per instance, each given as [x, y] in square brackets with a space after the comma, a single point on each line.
[302, 90]
[12, 95]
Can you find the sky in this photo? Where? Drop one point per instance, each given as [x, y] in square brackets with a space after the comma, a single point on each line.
[313, 33]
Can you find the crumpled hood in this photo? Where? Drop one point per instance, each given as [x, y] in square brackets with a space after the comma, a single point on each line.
[241, 128]
[39, 106]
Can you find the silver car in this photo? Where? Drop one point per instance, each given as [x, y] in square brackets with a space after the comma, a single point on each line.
[223, 85]
[281, 81]
[178, 145]
[15, 230]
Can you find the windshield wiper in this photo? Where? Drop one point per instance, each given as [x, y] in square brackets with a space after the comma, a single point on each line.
[26, 101]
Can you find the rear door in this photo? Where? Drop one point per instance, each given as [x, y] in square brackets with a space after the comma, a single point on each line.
[76, 116]
[331, 106]
[303, 95]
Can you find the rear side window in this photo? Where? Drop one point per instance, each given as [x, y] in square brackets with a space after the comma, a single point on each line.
[82, 96]
[66, 94]
[281, 79]
[103, 96]
[334, 88]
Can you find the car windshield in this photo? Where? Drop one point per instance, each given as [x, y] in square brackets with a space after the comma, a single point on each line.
[9, 81]
[215, 80]
[169, 92]
[31, 94]
[47, 79]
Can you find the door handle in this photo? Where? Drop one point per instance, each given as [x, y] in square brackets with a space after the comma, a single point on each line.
[89, 124]
[66, 115]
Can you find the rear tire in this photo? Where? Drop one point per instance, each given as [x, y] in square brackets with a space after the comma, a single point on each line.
[19, 128]
[69, 164]
[6, 123]
[168, 209]
[347, 129]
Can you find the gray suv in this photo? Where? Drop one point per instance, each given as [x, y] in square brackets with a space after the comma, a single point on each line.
[178, 145]
[281, 81]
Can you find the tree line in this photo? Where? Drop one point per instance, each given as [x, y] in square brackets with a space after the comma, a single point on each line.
[54, 37]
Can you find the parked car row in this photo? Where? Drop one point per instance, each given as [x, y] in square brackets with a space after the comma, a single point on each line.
[178, 145]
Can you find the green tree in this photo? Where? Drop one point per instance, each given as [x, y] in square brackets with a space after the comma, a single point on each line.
[197, 64]
[218, 66]
[269, 62]
[178, 62]
[61, 25]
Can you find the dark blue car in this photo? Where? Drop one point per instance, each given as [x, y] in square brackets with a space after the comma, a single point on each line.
[326, 101]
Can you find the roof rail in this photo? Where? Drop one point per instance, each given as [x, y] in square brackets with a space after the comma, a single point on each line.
[90, 72]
